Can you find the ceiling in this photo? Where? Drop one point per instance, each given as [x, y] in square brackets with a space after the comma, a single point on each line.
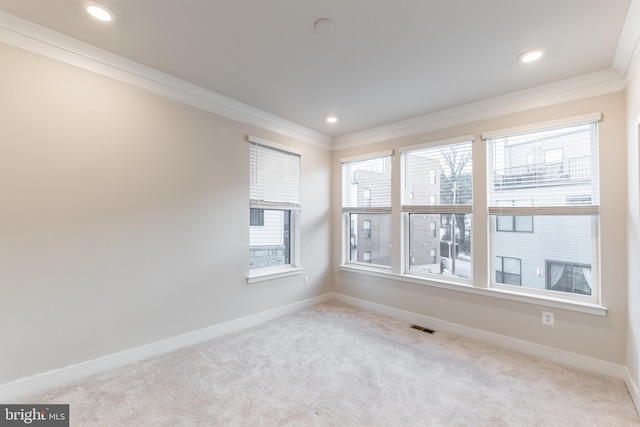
[385, 61]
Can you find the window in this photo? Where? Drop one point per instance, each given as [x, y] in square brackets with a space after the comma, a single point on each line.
[256, 217]
[566, 225]
[520, 223]
[366, 228]
[448, 203]
[584, 199]
[274, 204]
[541, 216]
[366, 206]
[508, 270]
[564, 277]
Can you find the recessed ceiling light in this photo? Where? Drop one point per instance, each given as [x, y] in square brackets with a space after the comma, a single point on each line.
[332, 119]
[324, 26]
[99, 11]
[531, 55]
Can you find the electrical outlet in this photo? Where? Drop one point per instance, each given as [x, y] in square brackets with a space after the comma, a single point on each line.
[306, 280]
[547, 318]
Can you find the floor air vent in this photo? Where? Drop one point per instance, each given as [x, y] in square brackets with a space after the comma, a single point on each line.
[423, 329]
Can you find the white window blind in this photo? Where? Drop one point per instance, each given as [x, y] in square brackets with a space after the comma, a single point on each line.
[437, 179]
[275, 178]
[366, 184]
[555, 168]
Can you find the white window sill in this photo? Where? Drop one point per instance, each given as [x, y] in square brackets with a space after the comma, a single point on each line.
[272, 273]
[545, 301]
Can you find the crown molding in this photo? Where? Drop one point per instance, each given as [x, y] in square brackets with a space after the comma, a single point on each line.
[615, 79]
[628, 50]
[581, 87]
[27, 36]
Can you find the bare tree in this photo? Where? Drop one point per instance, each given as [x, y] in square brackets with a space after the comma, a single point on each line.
[455, 189]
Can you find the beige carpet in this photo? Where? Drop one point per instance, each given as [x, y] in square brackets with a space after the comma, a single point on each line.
[336, 365]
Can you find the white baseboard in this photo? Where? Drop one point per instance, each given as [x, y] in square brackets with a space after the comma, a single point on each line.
[633, 388]
[38, 383]
[536, 350]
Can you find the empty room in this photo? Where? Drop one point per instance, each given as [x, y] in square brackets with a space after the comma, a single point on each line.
[338, 212]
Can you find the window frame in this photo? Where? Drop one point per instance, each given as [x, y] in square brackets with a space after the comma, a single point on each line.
[435, 209]
[482, 268]
[347, 222]
[293, 267]
[579, 210]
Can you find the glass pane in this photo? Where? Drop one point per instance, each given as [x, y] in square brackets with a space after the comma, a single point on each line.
[511, 265]
[545, 166]
[511, 279]
[438, 254]
[524, 224]
[557, 256]
[270, 242]
[371, 245]
[505, 223]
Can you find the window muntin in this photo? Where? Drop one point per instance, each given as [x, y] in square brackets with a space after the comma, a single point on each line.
[445, 201]
[366, 203]
[556, 172]
[274, 205]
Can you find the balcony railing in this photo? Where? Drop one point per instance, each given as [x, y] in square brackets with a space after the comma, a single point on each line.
[569, 171]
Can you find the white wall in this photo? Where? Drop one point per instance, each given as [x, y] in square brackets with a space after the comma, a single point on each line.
[124, 218]
[602, 338]
[633, 231]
